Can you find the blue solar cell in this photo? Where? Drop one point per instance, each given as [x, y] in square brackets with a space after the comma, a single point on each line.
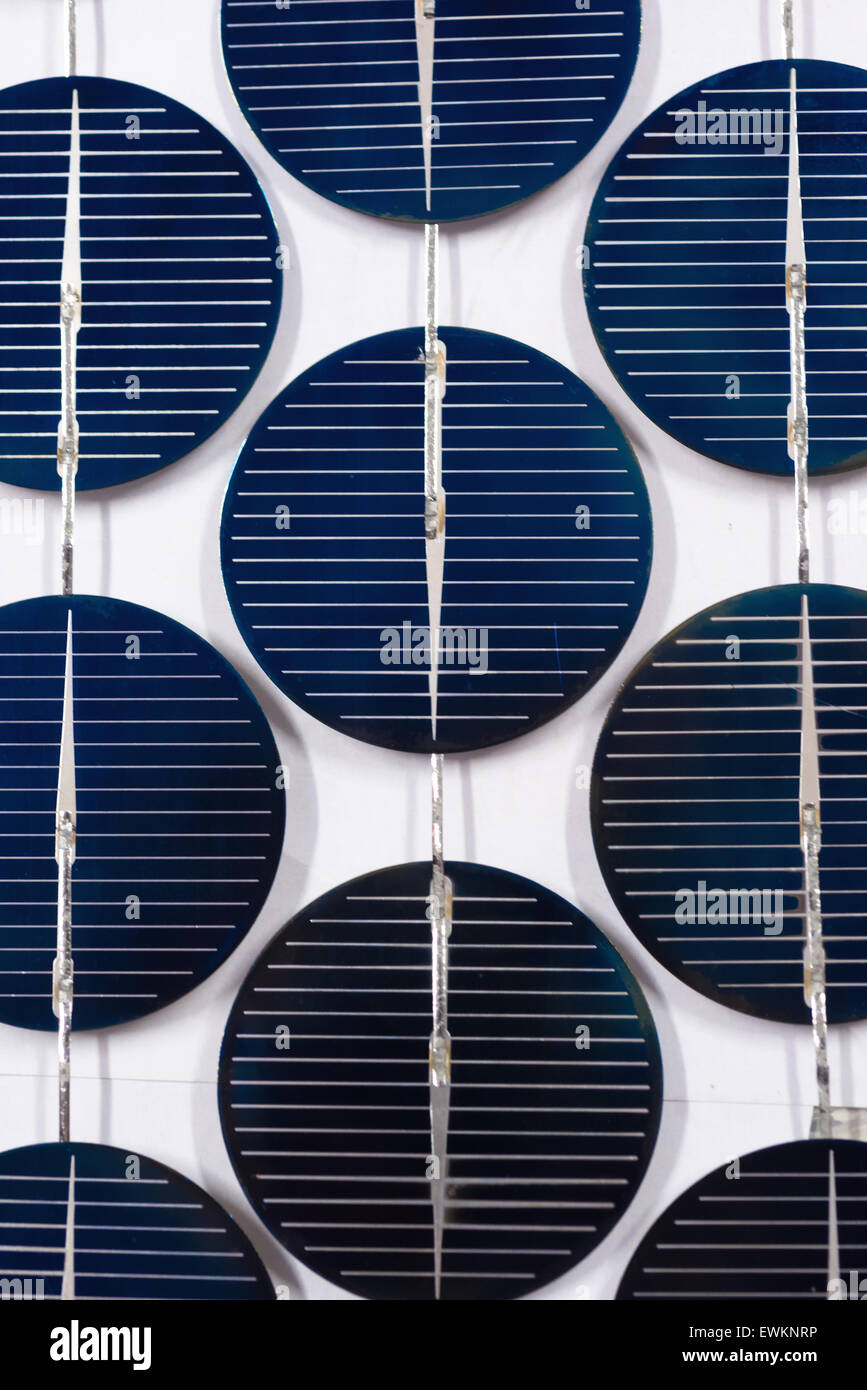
[180, 815]
[181, 291]
[695, 801]
[139, 1230]
[520, 94]
[555, 1101]
[548, 541]
[775, 1225]
[686, 286]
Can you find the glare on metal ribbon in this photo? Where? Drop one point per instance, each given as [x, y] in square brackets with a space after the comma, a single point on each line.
[65, 833]
[71, 38]
[789, 29]
[71, 293]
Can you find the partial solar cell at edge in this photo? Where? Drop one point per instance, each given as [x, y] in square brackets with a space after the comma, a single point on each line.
[786, 1223]
[520, 94]
[180, 815]
[686, 285]
[695, 800]
[181, 289]
[120, 1226]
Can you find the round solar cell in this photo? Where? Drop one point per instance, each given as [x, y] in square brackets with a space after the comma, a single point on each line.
[548, 541]
[120, 1226]
[786, 1222]
[180, 816]
[181, 288]
[696, 800]
[341, 96]
[555, 1093]
[686, 286]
